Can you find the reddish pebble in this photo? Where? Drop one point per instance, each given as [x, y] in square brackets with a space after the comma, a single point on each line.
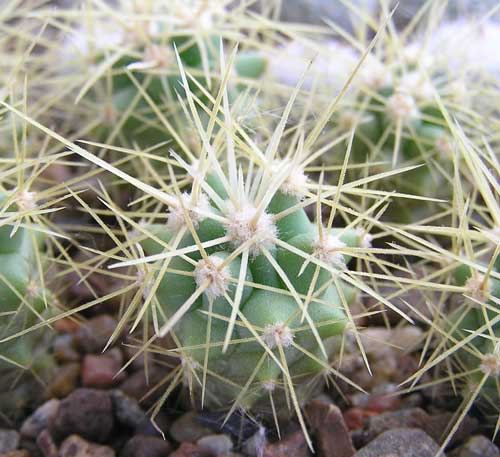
[100, 371]
[293, 445]
[66, 325]
[355, 417]
[382, 403]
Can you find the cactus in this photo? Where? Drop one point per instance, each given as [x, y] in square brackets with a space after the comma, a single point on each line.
[465, 323]
[391, 103]
[135, 79]
[249, 244]
[265, 292]
[24, 302]
[256, 293]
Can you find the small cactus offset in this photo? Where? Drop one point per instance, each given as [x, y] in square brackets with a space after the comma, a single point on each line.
[466, 321]
[476, 322]
[400, 101]
[123, 68]
[24, 302]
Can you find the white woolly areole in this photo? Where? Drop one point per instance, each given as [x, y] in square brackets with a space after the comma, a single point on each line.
[328, 250]
[240, 227]
[414, 54]
[196, 213]
[416, 84]
[348, 119]
[296, 181]
[375, 74]
[277, 333]
[490, 364]
[364, 238]
[33, 289]
[210, 269]
[269, 385]
[26, 200]
[458, 92]
[401, 107]
[199, 13]
[444, 146]
[476, 288]
[155, 56]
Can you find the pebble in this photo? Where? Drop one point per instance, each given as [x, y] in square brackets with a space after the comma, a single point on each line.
[66, 325]
[100, 371]
[217, 444]
[46, 444]
[433, 425]
[64, 380]
[476, 446]
[9, 440]
[93, 335]
[292, 445]
[401, 442]
[355, 417]
[30, 447]
[64, 349]
[189, 450]
[146, 446]
[330, 430]
[127, 409]
[160, 427]
[76, 446]
[137, 385]
[87, 412]
[188, 428]
[42, 418]
[378, 340]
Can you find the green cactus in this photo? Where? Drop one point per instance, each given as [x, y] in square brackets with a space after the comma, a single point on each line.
[251, 288]
[138, 69]
[23, 303]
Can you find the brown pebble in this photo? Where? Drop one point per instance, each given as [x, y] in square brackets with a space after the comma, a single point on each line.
[292, 445]
[332, 436]
[137, 385]
[146, 446]
[188, 428]
[93, 335]
[76, 446]
[100, 371]
[46, 444]
[87, 412]
[64, 350]
[42, 418]
[66, 325]
[64, 380]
